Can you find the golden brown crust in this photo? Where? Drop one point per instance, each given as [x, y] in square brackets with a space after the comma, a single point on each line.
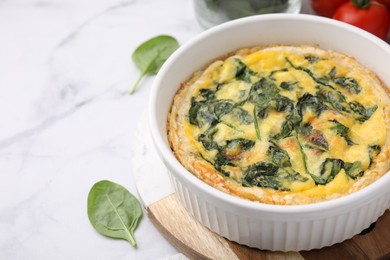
[185, 149]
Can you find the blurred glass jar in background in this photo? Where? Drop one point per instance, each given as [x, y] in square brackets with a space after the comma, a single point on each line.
[212, 12]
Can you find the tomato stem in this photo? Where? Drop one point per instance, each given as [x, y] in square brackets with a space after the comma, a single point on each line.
[361, 4]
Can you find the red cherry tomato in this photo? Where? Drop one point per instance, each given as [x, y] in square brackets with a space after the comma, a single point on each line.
[385, 3]
[374, 18]
[326, 7]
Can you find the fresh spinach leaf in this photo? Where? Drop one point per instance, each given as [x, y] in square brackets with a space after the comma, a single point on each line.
[151, 55]
[113, 211]
[237, 9]
[212, 4]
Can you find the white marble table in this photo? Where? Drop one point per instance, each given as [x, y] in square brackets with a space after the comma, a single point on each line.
[68, 121]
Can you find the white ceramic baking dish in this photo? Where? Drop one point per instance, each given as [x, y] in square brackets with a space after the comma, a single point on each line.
[273, 227]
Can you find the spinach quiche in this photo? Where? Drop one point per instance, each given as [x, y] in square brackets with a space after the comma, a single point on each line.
[283, 125]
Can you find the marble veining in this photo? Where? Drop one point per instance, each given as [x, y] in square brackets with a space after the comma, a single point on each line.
[68, 121]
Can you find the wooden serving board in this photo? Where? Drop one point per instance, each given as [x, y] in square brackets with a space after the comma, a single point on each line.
[198, 242]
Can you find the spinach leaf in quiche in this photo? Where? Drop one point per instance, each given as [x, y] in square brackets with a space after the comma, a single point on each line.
[322, 81]
[365, 113]
[243, 72]
[223, 107]
[292, 122]
[271, 75]
[348, 83]
[268, 175]
[256, 123]
[238, 145]
[207, 139]
[264, 175]
[373, 150]
[312, 58]
[206, 115]
[201, 113]
[242, 116]
[207, 94]
[342, 130]
[337, 100]
[278, 156]
[193, 111]
[262, 92]
[209, 110]
[283, 104]
[354, 170]
[228, 154]
[329, 169]
[286, 85]
[285, 131]
[345, 82]
[308, 101]
[221, 160]
[304, 128]
[264, 95]
[315, 139]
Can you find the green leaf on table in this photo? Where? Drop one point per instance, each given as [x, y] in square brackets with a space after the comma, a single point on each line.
[113, 211]
[151, 55]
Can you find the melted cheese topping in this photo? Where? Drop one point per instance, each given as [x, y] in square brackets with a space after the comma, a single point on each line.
[283, 125]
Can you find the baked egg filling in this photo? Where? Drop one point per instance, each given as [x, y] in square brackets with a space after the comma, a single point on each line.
[282, 119]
